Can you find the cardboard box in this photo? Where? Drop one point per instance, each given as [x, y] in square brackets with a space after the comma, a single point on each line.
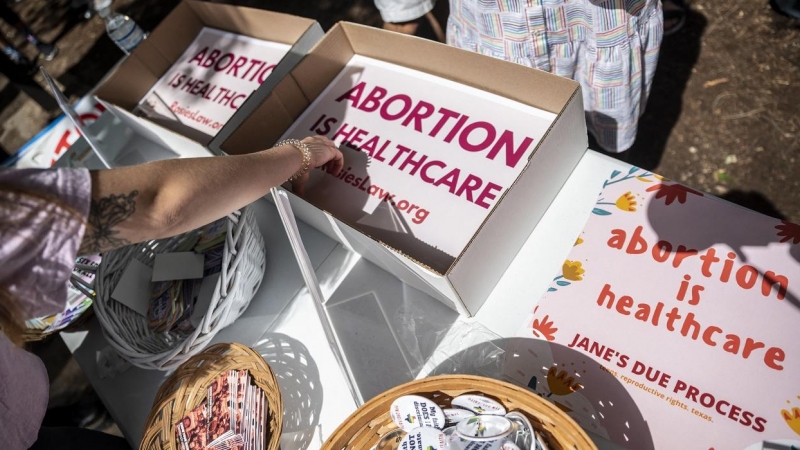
[154, 57]
[126, 140]
[464, 280]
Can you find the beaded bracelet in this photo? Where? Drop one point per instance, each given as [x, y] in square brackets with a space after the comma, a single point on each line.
[304, 150]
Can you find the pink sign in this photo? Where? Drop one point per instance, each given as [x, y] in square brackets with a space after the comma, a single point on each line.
[674, 323]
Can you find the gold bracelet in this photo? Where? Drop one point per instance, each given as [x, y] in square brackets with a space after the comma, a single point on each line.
[304, 150]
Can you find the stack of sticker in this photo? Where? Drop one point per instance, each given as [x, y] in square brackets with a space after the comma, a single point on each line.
[231, 418]
[473, 422]
[174, 303]
[77, 301]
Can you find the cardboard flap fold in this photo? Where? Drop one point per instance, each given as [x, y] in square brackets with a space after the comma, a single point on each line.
[253, 22]
[503, 78]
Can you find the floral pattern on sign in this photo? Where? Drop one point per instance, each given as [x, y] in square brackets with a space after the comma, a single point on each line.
[570, 270]
[544, 328]
[791, 415]
[560, 383]
[788, 231]
[672, 192]
[627, 201]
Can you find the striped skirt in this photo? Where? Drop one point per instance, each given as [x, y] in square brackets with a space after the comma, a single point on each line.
[609, 46]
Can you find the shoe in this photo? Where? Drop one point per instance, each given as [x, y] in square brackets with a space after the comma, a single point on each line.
[674, 16]
[47, 51]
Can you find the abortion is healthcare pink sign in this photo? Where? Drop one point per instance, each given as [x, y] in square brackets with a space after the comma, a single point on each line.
[212, 79]
[674, 322]
[426, 159]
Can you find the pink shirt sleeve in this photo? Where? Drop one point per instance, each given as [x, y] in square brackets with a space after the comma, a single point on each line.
[39, 240]
[38, 245]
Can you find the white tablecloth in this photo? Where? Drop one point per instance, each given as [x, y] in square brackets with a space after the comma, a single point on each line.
[370, 310]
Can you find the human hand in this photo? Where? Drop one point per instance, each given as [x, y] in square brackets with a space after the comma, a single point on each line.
[324, 154]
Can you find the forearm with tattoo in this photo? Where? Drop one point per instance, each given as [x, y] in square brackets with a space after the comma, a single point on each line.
[105, 214]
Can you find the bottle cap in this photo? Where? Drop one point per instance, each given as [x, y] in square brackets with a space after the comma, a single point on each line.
[479, 405]
[412, 411]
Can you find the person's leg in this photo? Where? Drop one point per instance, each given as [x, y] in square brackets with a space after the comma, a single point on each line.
[13, 53]
[406, 16]
[48, 51]
[77, 439]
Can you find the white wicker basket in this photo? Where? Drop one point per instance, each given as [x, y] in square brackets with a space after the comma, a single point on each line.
[128, 333]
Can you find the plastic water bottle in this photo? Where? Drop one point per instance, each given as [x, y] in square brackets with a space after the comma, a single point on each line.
[123, 30]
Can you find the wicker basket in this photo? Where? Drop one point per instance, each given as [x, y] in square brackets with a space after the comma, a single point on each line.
[128, 332]
[364, 427]
[188, 386]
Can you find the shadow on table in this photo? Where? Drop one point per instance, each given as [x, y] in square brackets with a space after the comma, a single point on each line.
[301, 389]
[602, 405]
[387, 330]
[713, 223]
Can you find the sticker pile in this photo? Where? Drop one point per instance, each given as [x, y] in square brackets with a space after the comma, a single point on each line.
[172, 302]
[232, 417]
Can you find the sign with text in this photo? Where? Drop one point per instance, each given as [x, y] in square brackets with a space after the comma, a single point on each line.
[674, 322]
[426, 159]
[212, 79]
[53, 142]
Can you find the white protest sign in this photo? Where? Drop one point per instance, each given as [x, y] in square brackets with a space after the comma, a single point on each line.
[52, 143]
[212, 79]
[426, 159]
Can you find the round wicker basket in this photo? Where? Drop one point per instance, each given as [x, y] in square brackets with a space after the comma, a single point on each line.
[364, 427]
[243, 263]
[188, 386]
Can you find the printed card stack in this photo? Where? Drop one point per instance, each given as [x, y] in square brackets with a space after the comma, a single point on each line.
[231, 418]
[77, 301]
[172, 302]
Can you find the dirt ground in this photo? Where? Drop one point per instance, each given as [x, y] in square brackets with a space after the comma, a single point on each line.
[723, 115]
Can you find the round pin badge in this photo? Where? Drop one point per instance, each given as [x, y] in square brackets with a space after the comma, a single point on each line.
[479, 405]
[424, 438]
[455, 415]
[390, 440]
[413, 411]
[508, 445]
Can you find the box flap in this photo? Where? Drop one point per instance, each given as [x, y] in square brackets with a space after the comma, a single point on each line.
[253, 22]
[499, 77]
[516, 214]
[282, 70]
[291, 96]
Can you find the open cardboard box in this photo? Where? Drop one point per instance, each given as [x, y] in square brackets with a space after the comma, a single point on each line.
[466, 283]
[125, 141]
[143, 68]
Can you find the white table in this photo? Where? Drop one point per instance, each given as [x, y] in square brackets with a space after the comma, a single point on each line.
[366, 306]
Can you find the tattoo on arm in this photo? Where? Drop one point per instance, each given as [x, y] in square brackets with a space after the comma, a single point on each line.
[104, 215]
